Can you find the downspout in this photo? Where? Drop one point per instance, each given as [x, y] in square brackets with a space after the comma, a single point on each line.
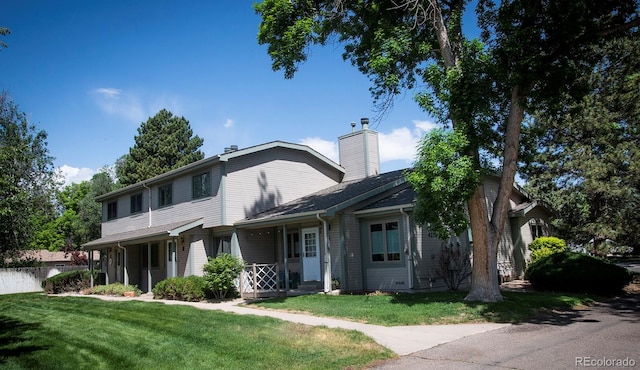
[149, 189]
[327, 256]
[408, 250]
[125, 272]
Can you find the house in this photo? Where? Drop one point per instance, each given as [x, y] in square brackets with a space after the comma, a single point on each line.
[288, 209]
[58, 260]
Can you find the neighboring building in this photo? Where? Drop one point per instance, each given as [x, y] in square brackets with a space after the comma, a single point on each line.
[286, 205]
[60, 260]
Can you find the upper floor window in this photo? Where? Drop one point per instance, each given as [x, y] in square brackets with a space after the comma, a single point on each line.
[201, 185]
[165, 195]
[385, 241]
[136, 203]
[112, 210]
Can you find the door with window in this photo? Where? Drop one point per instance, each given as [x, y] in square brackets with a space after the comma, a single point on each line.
[172, 265]
[311, 254]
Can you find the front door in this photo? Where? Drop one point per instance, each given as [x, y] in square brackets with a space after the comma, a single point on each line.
[119, 265]
[171, 259]
[310, 254]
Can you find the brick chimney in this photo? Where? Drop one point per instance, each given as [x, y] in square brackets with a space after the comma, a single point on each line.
[359, 152]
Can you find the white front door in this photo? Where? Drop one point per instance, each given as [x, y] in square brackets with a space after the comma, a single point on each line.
[310, 254]
[171, 259]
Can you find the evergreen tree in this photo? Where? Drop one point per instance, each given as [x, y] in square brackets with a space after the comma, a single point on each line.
[586, 161]
[165, 142]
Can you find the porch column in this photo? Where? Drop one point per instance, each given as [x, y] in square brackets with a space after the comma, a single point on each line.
[91, 267]
[285, 256]
[148, 267]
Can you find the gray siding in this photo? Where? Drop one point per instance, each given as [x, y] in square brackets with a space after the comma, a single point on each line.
[258, 245]
[359, 154]
[387, 278]
[353, 251]
[270, 178]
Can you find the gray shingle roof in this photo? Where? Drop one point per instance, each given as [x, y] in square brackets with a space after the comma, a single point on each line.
[333, 197]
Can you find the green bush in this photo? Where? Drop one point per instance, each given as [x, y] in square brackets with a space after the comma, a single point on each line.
[220, 274]
[191, 288]
[575, 272]
[70, 281]
[546, 246]
[115, 289]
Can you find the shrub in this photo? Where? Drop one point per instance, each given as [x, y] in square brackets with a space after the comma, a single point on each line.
[115, 289]
[220, 274]
[454, 266]
[70, 281]
[191, 288]
[545, 246]
[575, 272]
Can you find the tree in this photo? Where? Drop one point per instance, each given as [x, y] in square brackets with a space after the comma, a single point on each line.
[163, 143]
[27, 180]
[585, 162]
[4, 31]
[78, 216]
[531, 51]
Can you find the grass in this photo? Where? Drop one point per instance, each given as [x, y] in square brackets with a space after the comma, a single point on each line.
[427, 308]
[43, 332]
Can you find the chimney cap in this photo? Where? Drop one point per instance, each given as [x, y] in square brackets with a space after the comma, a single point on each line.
[365, 123]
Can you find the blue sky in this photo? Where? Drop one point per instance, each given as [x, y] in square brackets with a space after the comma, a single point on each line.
[90, 72]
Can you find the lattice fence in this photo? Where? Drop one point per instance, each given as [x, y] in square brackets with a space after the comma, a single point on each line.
[260, 280]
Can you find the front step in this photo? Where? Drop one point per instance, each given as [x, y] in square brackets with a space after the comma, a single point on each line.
[310, 286]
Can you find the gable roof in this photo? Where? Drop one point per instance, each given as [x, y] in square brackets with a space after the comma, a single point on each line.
[210, 161]
[330, 200]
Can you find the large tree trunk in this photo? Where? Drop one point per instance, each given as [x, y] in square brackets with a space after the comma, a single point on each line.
[485, 285]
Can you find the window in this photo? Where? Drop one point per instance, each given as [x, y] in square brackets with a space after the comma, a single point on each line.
[154, 256]
[293, 245]
[537, 229]
[385, 241]
[136, 203]
[201, 185]
[165, 195]
[112, 210]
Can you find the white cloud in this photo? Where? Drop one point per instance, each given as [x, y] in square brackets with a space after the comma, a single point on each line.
[109, 92]
[327, 148]
[402, 143]
[113, 101]
[229, 123]
[75, 174]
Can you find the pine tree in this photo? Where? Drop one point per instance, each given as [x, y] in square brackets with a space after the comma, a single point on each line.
[165, 142]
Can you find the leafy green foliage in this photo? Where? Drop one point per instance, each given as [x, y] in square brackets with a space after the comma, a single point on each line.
[444, 181]
[545, 246]
[190, 288]
[114, 289]
[27, 179]
[4, 31]
[579, 273]
[165, 142]
[220, 273]
[69, 281]
[585, 162]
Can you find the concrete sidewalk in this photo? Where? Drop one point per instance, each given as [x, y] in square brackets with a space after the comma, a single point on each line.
[402, 340]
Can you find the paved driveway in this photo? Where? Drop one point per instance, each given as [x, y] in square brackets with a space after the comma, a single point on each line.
[605, 334]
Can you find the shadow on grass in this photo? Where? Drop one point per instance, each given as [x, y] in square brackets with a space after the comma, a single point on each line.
[14, 338]
[517, 307]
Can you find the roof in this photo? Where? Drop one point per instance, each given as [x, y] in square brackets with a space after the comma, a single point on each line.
[172, 229]
[404, 198]
[210, 161]
[330, 200]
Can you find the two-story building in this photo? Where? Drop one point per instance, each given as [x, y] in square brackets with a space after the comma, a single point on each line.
[287, 205]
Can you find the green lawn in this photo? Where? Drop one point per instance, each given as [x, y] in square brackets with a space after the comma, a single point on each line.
[426, 308]
[41, 332]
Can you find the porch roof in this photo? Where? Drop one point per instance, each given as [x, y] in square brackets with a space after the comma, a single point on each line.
[330, 200]
[172, 229]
